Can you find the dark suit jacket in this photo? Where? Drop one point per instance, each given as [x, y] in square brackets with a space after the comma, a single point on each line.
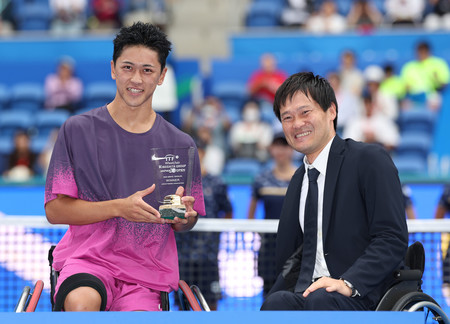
[365, 236]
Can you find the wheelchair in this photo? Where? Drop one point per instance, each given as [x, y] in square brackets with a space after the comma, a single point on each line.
[190, 297]
[29, 299]
[406, 294]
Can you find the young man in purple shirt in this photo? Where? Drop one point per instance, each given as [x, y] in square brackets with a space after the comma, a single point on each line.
[109, 172]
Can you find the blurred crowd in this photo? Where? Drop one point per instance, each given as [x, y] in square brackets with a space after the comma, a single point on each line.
[371, 102]
[364, 15]
[66, 17]
[72, 17]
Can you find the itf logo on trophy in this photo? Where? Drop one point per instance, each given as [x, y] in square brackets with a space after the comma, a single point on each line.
[173, 168]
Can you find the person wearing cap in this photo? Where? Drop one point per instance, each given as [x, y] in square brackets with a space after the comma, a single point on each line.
[384, 103]
[270, 187]
[63, 90]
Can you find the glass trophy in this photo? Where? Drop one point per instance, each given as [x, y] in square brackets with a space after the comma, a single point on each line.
[173, 168]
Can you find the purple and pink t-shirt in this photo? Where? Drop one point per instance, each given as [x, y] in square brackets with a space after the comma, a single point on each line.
[94, 159]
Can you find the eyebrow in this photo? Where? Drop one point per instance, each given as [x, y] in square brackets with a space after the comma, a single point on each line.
[131, 63]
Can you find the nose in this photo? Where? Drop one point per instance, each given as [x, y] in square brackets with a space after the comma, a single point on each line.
[298, 122]
[136, 78]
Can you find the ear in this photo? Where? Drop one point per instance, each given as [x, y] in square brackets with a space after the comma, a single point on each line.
[332, 111]
[162, 76]
[113, 70]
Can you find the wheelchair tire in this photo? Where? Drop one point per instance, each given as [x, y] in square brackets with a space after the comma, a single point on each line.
[410, 299]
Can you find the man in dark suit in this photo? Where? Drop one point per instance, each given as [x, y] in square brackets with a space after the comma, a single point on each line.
[359, 233]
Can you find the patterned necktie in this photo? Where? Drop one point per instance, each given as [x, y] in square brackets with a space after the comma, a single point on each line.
[309, 234]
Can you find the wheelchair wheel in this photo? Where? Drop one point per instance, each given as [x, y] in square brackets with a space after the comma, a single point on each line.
[415, 301]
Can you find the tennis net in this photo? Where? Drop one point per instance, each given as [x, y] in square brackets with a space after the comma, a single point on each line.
[231, 260]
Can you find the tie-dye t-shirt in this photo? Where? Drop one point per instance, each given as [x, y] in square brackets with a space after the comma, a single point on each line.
[94, 159]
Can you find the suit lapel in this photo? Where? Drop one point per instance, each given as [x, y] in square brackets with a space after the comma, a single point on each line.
[335, 159]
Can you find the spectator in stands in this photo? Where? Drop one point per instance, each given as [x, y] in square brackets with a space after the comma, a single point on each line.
[264, 82]
[352, 78]
[69, 16]
[7, 21]
[404, 12]
[426, 77]
[106, 14]
[384, 103]
[198, 251]
[214, 156]
[270, 187]
[392, 84]
[165, 98]
[439, 17]
[443, 209]
[212, 115]
[63, 90]
[152, 11]
[364, 16]
[349, 104]
[373, 127]
[21, 161]
[327, 20]
[296, 12]
[251, 137]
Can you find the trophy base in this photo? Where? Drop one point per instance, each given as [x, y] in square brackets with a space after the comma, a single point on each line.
[172, 211]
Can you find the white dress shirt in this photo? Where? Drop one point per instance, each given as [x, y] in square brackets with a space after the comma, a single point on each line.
[320, 163]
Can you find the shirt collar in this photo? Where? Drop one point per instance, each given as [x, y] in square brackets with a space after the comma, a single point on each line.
[320, 163]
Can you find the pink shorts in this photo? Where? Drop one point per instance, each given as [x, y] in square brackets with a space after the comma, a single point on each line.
[121, 295]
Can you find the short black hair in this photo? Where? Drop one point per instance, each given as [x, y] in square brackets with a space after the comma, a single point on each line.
[313, 86]
[143, 34]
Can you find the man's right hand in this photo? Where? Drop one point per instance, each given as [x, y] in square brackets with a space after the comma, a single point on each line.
[135, 209]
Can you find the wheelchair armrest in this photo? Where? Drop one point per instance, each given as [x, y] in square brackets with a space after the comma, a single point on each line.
[408, 275]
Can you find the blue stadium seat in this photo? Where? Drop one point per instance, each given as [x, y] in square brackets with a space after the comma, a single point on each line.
[46, 121]
[415, 145]
[232, 95]
[411, 165]
[32, 15]
[4, 97]
[244, 167]
[417, 120]
[13, 120]
[27, 96]
[97, 94]
[264, 14]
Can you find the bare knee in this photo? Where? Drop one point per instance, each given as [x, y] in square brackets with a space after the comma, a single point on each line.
[83, 299]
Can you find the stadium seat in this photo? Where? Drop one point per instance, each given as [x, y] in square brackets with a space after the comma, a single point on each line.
[46, 121]
[12, 121]
[27, 96]
[240, 168]
[98, 94]
[32, 15]
[410, 165]
[414, 144]
[233, 96]
[264, 14]
[417, 120]
[4, 97]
